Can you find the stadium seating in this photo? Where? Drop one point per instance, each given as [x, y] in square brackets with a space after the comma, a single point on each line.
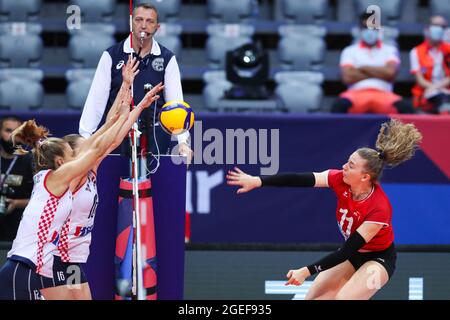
[230, 11]
[304, 12]
[200, 45]
[20, 51]
[169, 36]
[20, 10]
[302, 48]
[96, 11]
[299, 92]
[79, 84]
[223, 38]
[168, 10]
[215, 86]
[86, 48]
[21, 94]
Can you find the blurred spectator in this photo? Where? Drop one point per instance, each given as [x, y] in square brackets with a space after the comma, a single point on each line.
[16, 181]
[369, 68]
[430, 63]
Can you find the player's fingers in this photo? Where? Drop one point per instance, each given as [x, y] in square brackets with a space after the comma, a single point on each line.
[289, 282]
[232, 173]
[136, 65]
[156, 89]
[241, 190]
[159, 87]
[154, 98]
[234, 180]
[289, 274]
[239, 170]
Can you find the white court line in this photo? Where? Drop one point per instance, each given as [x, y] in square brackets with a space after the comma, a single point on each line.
[277, 287]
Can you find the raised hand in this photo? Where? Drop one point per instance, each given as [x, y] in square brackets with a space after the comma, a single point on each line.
[151, 96]
[130, 70]
[243, 180]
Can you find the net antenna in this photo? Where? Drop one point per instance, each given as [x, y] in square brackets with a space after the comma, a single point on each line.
[138, 280]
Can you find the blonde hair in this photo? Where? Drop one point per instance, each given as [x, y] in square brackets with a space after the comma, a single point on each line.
[72, 140]
[396, 143]
[45, 150]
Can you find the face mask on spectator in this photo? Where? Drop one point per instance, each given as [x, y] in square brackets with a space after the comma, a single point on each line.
[436, 33]
[7, 146]
[369, 36]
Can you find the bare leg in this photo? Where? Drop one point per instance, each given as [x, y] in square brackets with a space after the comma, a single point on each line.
[370, 278]
[328, 283]
[72, 292]
[56, 293]
[83, 293]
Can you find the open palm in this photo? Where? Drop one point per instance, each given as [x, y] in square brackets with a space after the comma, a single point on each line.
[239, 178]
[151, 96]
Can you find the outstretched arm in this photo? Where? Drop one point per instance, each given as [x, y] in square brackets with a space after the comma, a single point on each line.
[59, 180]
[248, 182]
[148, 99]
[129, 72]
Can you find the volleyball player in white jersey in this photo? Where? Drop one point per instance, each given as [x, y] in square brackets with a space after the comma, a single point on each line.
[73, 248]
[29, 267]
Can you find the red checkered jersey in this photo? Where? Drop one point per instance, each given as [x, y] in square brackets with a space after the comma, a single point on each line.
[39, 230]
[351, 214]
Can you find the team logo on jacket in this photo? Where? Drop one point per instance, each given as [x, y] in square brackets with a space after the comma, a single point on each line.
[158, 64]
[120, 64]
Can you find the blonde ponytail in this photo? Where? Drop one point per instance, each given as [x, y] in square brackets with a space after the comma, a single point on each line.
[396, 143]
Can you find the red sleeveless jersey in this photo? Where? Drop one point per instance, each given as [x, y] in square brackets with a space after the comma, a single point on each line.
[351, 214]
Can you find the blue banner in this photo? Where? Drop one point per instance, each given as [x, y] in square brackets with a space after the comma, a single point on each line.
[418, 189]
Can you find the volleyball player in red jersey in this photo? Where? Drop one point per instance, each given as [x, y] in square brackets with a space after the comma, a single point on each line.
[366, 261]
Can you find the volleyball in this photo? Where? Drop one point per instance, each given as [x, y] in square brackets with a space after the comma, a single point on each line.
[176, 117]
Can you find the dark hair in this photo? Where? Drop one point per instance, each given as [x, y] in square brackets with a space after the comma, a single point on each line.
[147, 6]
[396, 143]
[363, 17]
[72, 139]
[430, 21]
[45, 150]
[9, 118]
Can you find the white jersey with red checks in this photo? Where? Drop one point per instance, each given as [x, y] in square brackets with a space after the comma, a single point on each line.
[76, 233]
[351, 214]
[39, 230]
